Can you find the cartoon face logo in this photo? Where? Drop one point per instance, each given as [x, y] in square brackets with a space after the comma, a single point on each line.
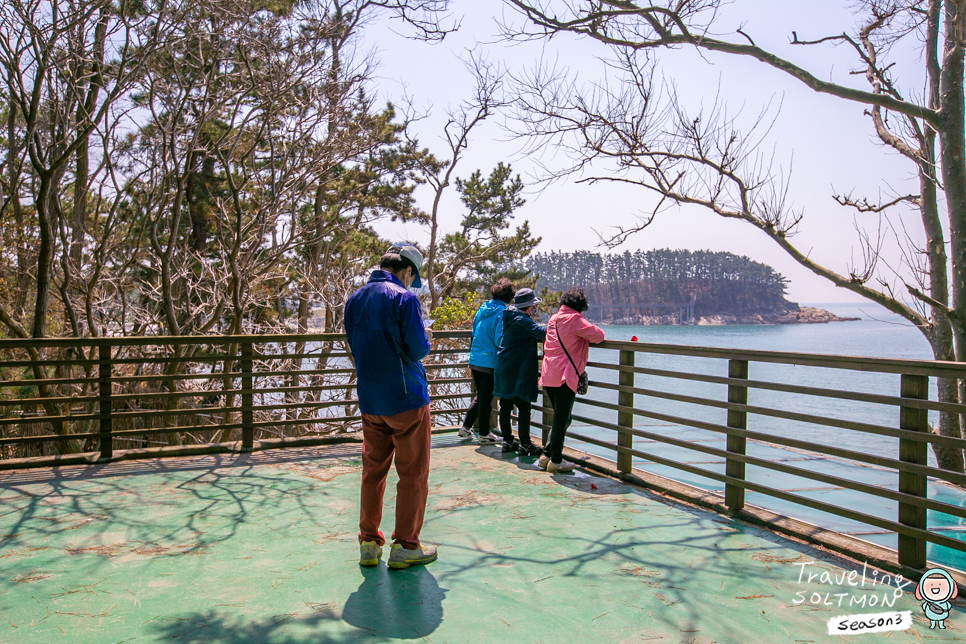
[936, 590]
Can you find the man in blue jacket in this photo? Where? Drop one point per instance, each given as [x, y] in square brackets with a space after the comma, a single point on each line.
[487, 331]
[387, 341]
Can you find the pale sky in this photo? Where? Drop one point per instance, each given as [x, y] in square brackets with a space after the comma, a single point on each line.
[829, 140]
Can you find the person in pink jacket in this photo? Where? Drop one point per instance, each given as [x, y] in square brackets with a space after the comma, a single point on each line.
[571, 330]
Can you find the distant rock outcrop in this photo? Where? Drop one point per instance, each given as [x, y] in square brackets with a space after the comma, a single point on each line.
[802, 315]
[799, 315]
[656, 288]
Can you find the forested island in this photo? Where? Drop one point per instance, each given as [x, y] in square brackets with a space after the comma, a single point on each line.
[653, 287]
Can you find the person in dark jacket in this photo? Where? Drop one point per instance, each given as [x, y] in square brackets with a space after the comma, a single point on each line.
[515, 381]
[387, 340]
[487, 331]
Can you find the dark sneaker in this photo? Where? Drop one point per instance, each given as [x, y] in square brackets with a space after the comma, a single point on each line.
[529, 450]
[369, 553]
[399, 557]
[510, 446]
[490, 439]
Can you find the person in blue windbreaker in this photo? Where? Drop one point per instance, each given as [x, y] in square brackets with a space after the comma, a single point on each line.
[487, 331]
[386, 337]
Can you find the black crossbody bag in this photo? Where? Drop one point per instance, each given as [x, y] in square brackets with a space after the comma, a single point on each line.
[583, 381]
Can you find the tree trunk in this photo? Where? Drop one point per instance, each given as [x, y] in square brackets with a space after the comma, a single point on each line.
[952, 138]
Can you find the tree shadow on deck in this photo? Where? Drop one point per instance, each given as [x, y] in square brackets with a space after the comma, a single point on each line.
[696, 562]
[108, 513]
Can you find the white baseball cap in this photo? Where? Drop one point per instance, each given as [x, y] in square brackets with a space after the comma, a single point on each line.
[411, 254]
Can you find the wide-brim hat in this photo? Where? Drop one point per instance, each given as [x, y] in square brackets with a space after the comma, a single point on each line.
[412, 255]
[525, 297]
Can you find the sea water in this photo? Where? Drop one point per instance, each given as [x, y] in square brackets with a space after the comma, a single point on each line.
[877, 333]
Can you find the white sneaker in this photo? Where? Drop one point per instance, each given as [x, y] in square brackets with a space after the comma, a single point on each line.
[369, 553]
[543, 462]
[399, 557]
[490, 439]
[466, 433]
[564, 466]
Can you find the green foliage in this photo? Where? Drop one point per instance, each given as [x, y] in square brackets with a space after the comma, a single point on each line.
[491, 202]
[550, 300]
[484, 249]
[456, 313]
[562, 270]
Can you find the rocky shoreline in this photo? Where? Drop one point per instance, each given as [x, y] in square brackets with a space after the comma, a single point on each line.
[801, 315]
[804, 315]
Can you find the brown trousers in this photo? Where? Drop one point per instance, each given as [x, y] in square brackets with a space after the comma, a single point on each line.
[407, 436]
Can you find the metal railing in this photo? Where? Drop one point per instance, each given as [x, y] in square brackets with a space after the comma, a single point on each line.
[910, 402]
[94, 394]
[71, 396]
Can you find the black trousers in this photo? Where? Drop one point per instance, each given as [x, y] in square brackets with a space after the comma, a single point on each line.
[480, 407]
[523, 419]
[562, 400]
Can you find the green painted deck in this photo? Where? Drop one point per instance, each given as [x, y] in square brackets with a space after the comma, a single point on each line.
[262, 548]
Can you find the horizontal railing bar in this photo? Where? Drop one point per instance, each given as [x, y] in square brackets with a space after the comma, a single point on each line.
[214, 411]
[202, 376]
[227, 392]
[46, 438]
[302, 372]
[954, 408]
[310, 420]
[175, 430]
[23, 343]
[329, 403]
[153, 431]
[166, 395]
[864, 488]
[31, 420]
[922, 437]
[946, 475]
[450, 381]
[76, 400]
[786, 496]
[275, 357]
[49, 382]
[23, 364]
[454, 365]
[313, 404]
[939, 368]
[170, 360]
[161, 413]
[232, 426]
[209, 376]
[302, 421]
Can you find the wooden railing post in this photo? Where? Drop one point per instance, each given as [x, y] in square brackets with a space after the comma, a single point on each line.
[625, 419]
[248, 417]
[912, 550]
[105, 405]
[734, 495]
